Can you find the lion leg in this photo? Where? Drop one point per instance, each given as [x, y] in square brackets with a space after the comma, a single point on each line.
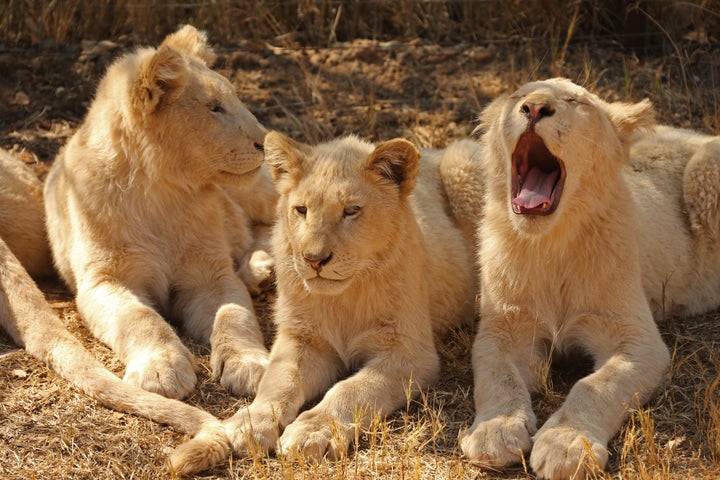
[216, 308]
[154, 356]
[298, 371]
[384, 384]
[630, 360]
[701, 190]
[503, 355]
[31, 323]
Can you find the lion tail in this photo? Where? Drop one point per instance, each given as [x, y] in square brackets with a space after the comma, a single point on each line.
[31, 323]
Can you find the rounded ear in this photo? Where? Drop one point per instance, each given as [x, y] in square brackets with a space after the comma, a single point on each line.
[162, 76]
[283, 154]
[192, 42]
[627, 118]
[396, 161]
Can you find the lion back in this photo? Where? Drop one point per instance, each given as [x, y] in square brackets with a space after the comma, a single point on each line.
[22, 216]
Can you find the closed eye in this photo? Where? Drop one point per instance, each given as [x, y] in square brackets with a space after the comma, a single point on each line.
[217, 108]
[351, 211]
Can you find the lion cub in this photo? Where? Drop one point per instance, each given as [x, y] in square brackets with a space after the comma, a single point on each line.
[369, 263]
[579, 240]
[141, 226]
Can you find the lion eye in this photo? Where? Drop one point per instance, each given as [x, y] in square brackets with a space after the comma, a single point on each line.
[301, 210]
[217, 108]
[351, 210]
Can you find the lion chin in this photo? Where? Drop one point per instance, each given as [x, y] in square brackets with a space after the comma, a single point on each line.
[325, 286]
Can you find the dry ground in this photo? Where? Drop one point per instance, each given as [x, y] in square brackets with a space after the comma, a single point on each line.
[430, 94]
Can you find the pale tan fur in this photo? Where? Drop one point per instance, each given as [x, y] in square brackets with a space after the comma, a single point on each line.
[22, 218]
[142, 226]
[584, 276]
[370, 262]
[32, 324]
[674, 179]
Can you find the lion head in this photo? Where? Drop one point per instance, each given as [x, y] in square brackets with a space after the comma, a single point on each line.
[342, 207]
[552, 146]
[185, 117]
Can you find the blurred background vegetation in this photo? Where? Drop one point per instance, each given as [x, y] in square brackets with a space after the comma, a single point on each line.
[646, 26]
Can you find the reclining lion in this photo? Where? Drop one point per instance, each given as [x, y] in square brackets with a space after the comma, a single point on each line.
[584, 234]
[374, 254]
[141, 227]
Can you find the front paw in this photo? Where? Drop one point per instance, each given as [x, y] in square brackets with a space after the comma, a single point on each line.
[240, 372]
[169, 372]
[252, 430]
[314, 435]
[563, 451]
[497, 442]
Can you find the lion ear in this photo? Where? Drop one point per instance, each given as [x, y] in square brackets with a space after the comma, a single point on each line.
[627, 118]
[396, 161]
[192, 42]
[161, 77]
[283, 154]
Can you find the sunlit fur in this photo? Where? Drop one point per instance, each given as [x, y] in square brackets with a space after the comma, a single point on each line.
[22, 216]
[143, 227]
[398, 268]
[32, 324]
[564, 282]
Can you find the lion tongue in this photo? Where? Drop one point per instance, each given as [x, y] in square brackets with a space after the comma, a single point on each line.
[536, 189]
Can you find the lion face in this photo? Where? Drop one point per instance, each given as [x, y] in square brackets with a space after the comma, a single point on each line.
[191, 115]
[340, 205]
[555, 144]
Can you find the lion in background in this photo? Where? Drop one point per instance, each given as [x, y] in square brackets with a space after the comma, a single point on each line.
[142, 227]
[22, 216]
[590, 220]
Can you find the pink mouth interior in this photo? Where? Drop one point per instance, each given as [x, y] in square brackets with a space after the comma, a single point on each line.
[536, 189]
[538, 177]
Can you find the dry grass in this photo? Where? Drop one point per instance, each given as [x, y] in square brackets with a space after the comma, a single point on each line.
[422, 72]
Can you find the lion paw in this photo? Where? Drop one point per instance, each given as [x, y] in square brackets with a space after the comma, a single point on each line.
[170, 372]
[564, 452]
[312, 436]
[240, 373]
[497, 442]
[257, 272]
[252, 430]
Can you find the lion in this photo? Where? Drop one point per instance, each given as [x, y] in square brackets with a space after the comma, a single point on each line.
[141, 226]
[32, 324]
[22, 216]
[370, 262]
[590, 222]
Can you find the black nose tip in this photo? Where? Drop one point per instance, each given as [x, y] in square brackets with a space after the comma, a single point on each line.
[259, 147]
[536, 111]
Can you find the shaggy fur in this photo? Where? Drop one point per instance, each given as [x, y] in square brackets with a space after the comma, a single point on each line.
[141, 226]
[579, 241]
[370, 262]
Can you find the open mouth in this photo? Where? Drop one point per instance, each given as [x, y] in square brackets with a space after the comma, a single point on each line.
[538, 177]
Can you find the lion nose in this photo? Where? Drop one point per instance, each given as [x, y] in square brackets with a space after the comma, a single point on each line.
[536, 111]
[317, 260]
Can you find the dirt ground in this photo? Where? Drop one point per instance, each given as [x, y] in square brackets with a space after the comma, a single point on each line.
[430, 94]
